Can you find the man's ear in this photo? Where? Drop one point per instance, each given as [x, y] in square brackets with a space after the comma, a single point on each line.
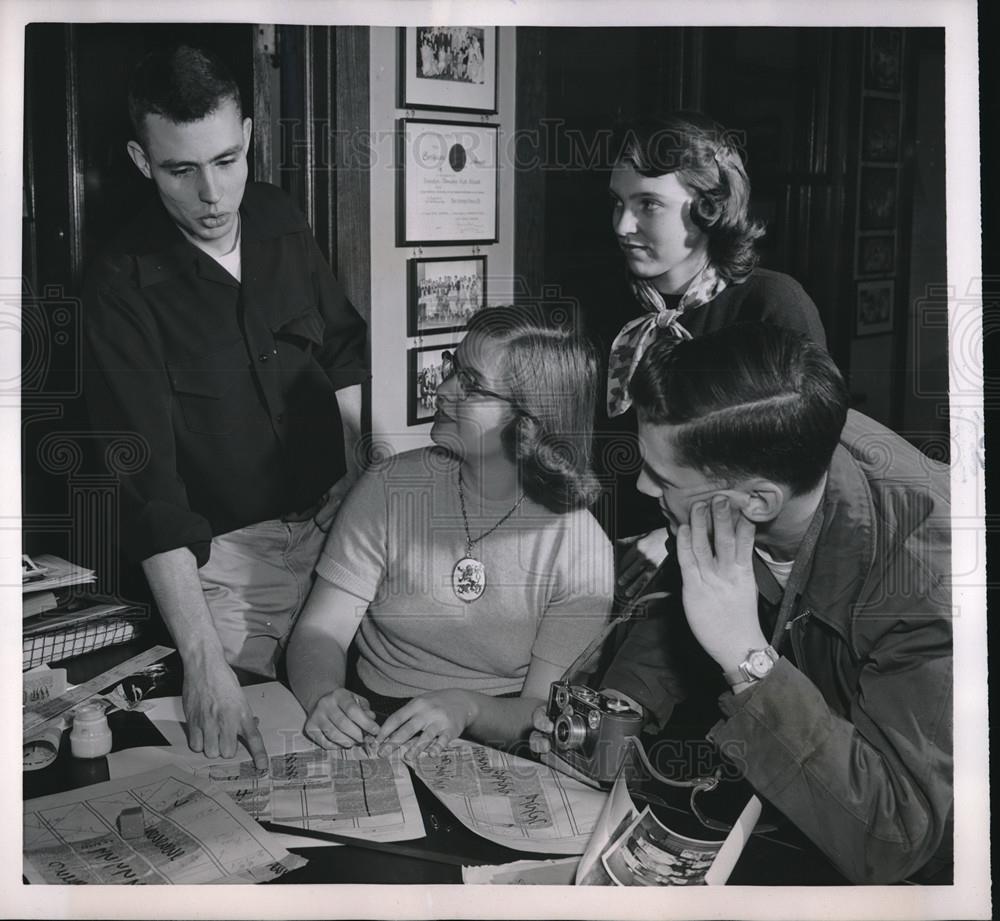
[138, 156]
[764, 500]
[247, 132]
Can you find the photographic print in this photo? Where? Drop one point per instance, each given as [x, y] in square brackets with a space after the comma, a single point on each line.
[884, 60]
[337, 171]
[443, 293]
[451, 68]
[427, 368]
[880, 130]
[449, 182]
[874, 306]
[877, 204]
[876, 254]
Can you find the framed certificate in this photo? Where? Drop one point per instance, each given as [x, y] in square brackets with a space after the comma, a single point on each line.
[450, 68]
[448, 183]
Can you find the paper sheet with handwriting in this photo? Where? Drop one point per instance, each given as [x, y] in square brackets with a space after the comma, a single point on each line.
[341, 791]
[184, 830]
[513, 801]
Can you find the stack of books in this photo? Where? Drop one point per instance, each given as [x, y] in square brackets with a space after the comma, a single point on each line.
[60, 621]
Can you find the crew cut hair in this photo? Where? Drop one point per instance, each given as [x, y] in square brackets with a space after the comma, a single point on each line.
[551, 372]
[182, 84]
[749, 400]
[707, 158]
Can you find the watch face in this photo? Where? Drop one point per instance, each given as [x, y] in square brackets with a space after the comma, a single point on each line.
[759, 663]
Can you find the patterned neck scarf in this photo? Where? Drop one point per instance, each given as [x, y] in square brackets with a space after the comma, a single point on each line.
[635, 336]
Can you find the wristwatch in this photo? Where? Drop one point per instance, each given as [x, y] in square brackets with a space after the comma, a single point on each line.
[756, 665]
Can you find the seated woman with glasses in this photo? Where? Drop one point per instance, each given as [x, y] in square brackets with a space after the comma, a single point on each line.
[470, 574]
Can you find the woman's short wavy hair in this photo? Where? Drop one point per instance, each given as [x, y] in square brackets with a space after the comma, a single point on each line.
[707, 158]
[551, 372]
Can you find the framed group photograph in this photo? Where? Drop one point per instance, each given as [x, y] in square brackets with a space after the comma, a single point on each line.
[876, 255]
[443, 292]
[451, 68]
[448, 183]
[874, 307]
[426, 367]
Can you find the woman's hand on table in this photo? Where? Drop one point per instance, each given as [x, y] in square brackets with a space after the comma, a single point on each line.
[341, 719]
[427, 724]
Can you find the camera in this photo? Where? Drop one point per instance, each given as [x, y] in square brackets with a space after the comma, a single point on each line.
[593, 729]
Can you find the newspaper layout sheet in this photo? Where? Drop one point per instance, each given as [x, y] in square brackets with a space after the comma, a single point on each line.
[341, 791]
[512, 801]
[163, 827]
[632, 848]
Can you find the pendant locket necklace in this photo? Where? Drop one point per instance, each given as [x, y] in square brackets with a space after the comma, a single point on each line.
[468, 578]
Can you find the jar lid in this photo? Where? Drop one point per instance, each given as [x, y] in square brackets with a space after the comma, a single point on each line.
[89, 713]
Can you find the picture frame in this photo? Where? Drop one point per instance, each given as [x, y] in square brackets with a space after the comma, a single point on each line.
[449, 68]
[443, 292]
[884, 60]
[425, 369]
[876, 255]
[880, 124]
[877, 198]
[874, 308]
[448, 184]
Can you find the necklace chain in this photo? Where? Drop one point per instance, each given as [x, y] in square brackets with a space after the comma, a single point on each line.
[469, 542]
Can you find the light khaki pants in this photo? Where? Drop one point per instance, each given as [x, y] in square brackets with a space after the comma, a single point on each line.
[256, 581]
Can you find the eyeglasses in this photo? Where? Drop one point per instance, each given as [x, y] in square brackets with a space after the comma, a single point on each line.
[467, 383]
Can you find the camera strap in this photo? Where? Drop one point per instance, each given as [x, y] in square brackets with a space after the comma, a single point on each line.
[628, 611]
[704, 784]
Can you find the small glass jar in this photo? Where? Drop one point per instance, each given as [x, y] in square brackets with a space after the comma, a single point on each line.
[91, 735]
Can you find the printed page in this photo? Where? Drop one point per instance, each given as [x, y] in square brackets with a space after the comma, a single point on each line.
[513, 801]
[618, 813]
[164, 827]
[559, 872]
[341, 791]
[648, 853]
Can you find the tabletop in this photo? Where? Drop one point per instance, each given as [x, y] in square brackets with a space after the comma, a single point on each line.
[781, 857]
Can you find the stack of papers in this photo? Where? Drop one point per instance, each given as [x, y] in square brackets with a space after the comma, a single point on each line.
[47, 572]
[165, 826]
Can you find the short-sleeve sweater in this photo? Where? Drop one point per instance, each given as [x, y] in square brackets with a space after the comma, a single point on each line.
[396, 540]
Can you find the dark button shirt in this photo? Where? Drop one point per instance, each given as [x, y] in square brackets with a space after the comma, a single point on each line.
[230, 387]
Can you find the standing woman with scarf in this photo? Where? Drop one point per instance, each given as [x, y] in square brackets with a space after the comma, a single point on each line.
[680, 211]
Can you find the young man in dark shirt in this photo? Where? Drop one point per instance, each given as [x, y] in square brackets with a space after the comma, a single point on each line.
[217, 334]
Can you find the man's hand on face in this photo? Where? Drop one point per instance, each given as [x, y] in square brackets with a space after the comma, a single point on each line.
[218, 716]
[715, 553]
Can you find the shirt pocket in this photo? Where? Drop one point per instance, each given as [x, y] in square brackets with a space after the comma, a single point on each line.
[303, 330]
[213, 390]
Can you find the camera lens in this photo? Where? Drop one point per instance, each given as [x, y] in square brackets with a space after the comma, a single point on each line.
[569, 732]
[562, 697]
